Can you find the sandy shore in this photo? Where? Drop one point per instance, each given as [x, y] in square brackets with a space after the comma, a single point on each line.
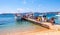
[32, 32]
[46, 32]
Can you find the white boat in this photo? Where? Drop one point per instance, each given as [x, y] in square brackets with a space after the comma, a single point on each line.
[17, 17]
[58, 14]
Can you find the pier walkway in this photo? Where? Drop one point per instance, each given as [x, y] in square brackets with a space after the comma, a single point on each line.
[43, 24]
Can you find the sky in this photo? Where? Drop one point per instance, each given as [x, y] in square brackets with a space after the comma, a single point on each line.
[21, 6]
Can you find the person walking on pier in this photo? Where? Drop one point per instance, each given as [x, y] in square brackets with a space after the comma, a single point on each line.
[44, 19]
[52, 20]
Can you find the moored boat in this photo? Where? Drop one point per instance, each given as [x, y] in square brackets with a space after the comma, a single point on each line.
[17, 17]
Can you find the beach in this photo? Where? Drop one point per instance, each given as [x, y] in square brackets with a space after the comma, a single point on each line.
[32, 32]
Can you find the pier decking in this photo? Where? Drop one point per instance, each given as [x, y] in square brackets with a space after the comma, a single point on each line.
[43, 24]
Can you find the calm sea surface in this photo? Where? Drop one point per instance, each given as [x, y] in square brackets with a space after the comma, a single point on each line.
[9, 24]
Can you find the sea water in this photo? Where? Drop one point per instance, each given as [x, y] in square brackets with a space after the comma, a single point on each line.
[9, 24]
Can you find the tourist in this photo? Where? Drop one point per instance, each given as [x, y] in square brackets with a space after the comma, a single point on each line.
[52, 20]
[44, 19]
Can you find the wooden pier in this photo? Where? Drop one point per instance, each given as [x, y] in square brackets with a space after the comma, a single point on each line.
[43, 24]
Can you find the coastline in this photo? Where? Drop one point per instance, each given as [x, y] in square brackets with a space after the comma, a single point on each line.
[34, 32]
